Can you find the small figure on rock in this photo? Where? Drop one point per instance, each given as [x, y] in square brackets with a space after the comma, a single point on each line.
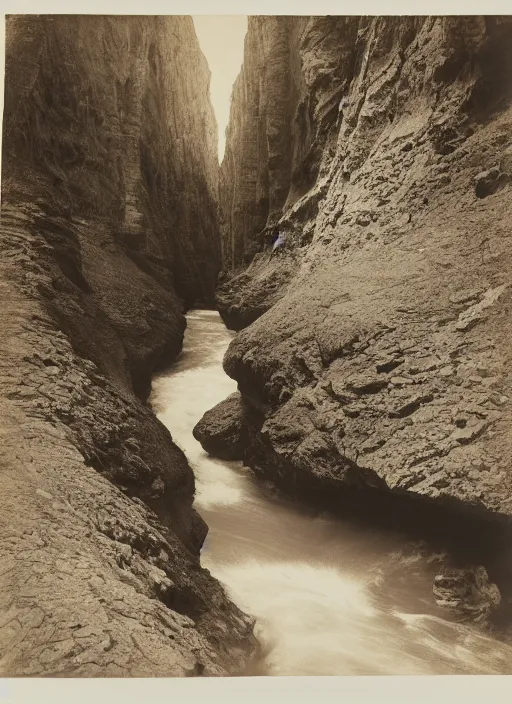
[278, 242]
[343, 105]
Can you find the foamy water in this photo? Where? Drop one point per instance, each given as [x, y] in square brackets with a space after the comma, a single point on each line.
[329, 598]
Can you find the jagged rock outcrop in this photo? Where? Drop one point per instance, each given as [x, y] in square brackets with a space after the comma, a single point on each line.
[467, 592]
[109, 228]
[380, 360]
[244, 297]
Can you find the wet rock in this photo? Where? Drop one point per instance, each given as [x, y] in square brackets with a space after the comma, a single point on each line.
[221, 430]
[467, 592]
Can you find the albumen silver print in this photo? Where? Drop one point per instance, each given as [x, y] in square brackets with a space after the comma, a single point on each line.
[255, 390]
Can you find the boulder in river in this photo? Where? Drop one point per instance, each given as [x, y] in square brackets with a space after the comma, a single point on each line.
[221, 431]
[467, 591]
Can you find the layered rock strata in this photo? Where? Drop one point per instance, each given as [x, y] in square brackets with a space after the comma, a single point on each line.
[109, 230]
[375, 349]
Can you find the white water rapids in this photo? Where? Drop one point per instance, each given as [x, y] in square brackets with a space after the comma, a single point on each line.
[329, 598]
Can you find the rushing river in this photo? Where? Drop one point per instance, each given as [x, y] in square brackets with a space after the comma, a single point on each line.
[329, 598]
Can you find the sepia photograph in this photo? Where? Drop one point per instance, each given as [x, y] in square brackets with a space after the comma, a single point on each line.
[255, 346]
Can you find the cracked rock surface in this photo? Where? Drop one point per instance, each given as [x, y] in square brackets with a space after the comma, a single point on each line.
[100, 572]
[379, 356]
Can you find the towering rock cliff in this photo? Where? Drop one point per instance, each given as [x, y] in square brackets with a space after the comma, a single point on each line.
[284, 100]
[119, 88]
[109, 228]
[377, 351]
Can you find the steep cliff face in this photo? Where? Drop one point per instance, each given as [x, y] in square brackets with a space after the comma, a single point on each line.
[255, 172]
[102, 120]
[378, 353]
[295, 71]
[109, 228]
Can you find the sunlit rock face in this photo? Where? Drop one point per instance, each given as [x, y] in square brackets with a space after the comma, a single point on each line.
[295, 71]
[374, 347]
[109, 230]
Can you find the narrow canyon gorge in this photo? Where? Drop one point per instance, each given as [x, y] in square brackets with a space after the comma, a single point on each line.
[370, 353]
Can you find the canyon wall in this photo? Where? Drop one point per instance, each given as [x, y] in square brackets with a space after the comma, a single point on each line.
[295, 70]
[373, 351]
[64, 134]
[109, 230]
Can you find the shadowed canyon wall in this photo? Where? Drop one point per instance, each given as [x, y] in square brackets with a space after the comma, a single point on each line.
[124, 147]
[374, 348]
[109, 230]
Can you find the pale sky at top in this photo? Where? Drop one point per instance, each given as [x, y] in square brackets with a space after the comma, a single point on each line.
[221, 38]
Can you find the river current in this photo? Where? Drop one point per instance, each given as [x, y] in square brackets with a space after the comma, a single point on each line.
[329, 598]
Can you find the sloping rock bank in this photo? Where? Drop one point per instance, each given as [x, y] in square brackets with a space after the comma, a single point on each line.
[101, 230]
[381, 359]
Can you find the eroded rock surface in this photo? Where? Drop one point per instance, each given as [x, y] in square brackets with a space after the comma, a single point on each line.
[112, 116]
[467, 592]
[380, 357]
[221, 431]
[108, 151]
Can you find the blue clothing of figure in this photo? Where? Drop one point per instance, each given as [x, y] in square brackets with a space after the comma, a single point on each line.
[277, 242]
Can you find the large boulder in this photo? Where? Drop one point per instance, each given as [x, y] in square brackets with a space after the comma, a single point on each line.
[221, 431]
